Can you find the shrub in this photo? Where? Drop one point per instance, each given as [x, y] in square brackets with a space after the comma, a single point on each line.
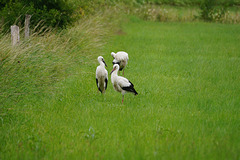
[211, 12]
[53, 13]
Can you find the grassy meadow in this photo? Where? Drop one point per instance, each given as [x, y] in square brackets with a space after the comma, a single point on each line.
[187, 76]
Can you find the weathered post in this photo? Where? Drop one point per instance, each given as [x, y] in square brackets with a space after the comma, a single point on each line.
[15, 34]
[27, 24]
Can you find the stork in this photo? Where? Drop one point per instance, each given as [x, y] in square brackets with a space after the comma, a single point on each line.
[121, 84]
[120, 58]
[101, 75]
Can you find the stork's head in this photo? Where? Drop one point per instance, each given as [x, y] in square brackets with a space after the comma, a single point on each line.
[115, 68]
[100, 59]
[113, 54]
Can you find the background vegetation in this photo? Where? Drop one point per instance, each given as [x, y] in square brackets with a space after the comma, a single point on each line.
[46, 58]
[60, 13]
[186, 72]
[50, 13]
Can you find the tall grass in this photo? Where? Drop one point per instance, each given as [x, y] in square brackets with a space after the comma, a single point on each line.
[46, 58]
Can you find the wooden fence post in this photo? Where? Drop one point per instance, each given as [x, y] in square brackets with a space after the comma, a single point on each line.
[27, 24]
[15, 37]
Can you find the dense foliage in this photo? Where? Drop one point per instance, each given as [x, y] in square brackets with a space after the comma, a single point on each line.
[59, 13]
[47, 12]
[210, 11]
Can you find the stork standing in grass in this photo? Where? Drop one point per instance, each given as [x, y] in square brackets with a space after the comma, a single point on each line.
[101, 75]
[120, 58]
[120, 83]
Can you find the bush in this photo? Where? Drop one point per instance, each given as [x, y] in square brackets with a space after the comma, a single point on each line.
[211, 12]
[52, 13]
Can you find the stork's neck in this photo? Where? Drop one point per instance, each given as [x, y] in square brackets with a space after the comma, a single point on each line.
[102, 64]
[115, 73]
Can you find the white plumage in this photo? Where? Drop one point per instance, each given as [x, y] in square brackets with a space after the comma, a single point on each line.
[121, 84]
[120, 58]
[101, 75]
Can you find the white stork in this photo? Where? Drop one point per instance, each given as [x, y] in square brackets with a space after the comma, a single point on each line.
[120, 58]
[101, 75]
[121, 84]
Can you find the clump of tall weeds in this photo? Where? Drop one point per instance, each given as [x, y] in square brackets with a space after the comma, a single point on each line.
[36, 64]
[166, 13]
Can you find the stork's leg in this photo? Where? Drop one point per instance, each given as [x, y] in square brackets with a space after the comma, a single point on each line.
[122, 98]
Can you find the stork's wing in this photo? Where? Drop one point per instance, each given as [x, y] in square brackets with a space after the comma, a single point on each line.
[106, 82]
[121, 55]
[106, 74]
[123, 82]
[97, 70]
[106, 79]
[126, 85]
[97, 82]
[98, 86]
[130, 89]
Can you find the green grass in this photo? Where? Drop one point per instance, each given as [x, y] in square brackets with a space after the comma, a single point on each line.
[187, 76]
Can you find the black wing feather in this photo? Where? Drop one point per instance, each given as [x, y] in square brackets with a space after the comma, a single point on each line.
[97, 85]
[121, 68]
[116, 63]
[130, 88]
[106, 81]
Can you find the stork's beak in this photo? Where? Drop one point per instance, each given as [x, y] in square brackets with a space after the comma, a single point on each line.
[112, 70]
[105, 63]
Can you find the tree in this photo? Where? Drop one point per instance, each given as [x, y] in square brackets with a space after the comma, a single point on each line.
[52, 13]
